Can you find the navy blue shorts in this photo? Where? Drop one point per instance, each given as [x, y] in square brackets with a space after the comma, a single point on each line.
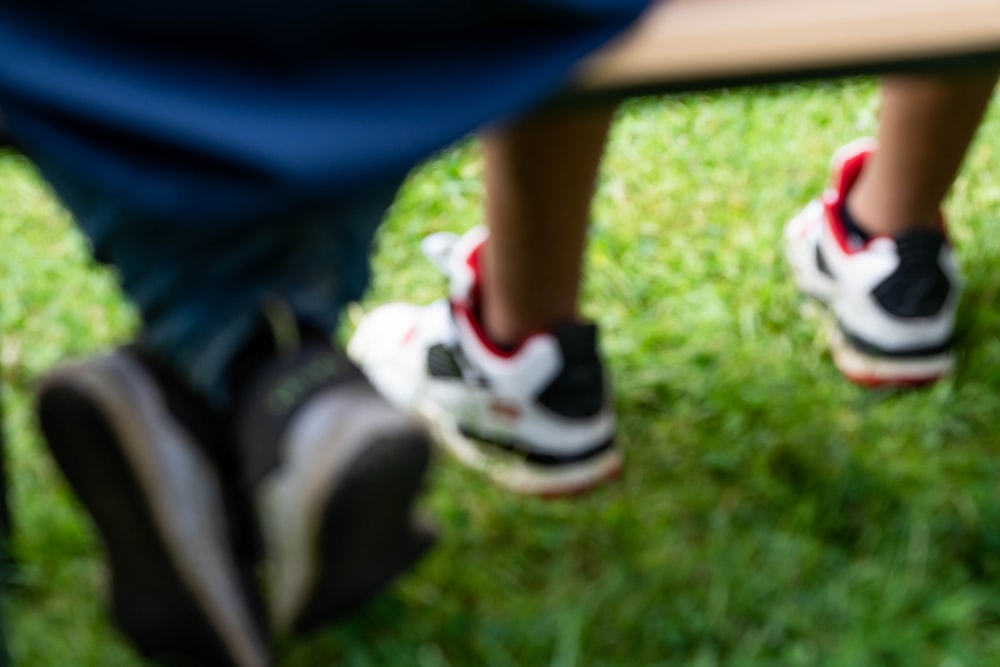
[196, 111]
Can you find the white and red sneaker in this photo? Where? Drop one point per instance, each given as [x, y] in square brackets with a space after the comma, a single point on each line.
[892, 299]
[537, 419]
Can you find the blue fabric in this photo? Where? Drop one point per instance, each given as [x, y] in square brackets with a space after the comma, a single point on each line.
[201, 133]
[200, 292]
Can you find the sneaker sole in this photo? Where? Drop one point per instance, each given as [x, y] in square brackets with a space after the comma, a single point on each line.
[512, 472]
[177, 590]
[338, 519]
[875, 372]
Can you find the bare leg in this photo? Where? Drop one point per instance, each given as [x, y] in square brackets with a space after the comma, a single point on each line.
[926, 126]
[540, 178]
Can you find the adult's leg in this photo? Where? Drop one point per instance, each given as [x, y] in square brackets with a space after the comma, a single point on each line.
[234, 407]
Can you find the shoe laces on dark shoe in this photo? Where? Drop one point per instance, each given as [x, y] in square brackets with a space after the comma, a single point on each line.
[276, 394]
[332, 472]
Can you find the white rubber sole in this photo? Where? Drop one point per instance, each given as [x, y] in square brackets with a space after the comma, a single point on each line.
[872, 371]
[512, 472]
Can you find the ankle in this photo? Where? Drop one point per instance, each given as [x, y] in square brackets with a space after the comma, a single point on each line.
[507, 331]
[500, 332]
[869, 216]
[856, 232]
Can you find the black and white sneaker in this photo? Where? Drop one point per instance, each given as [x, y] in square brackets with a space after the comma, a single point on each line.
[893, 300]
[332, 472]
[537, 419]
[140, 455]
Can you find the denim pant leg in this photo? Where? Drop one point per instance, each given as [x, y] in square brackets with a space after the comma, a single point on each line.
[200, 288]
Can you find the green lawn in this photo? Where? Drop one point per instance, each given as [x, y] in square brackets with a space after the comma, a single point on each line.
[770, 514]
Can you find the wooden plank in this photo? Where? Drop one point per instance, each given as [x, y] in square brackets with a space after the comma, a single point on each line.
[690, 43]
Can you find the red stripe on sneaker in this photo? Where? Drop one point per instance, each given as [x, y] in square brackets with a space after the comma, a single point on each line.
[469, 310]
[410, 334]
[472, 259]
[505, 410]
[467, 314]
[842, 180]
[833, 221]
[879, 382]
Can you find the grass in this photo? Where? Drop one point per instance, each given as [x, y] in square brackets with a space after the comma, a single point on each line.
[771, 514]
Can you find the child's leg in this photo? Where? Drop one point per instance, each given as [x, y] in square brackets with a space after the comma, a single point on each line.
[540, 178]
[925, 127]
[874, 248]
[509, 377]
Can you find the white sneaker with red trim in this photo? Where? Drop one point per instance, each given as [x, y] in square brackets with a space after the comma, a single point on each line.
[537, 419]
[892, 300]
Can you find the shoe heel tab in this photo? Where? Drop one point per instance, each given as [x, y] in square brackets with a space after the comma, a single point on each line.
[576, 337]
[846, 166]
[580, 389]
[860, 147]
